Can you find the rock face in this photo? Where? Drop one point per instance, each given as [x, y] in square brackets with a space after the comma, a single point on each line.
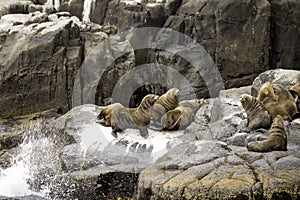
[35, 62]
[235, 33]
[285, 34]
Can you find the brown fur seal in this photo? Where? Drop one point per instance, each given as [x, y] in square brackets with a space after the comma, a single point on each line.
[166, 102]
[276, 140]
[295, 92]
[104, 116]
[182, 115]
[257, 114]
[277, 100]
[139, 117]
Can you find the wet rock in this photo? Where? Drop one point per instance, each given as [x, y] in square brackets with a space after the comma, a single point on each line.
[96, 183]
[96, 146]
[285, 77]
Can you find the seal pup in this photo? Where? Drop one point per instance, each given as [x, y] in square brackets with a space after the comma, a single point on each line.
[182, 115]
[104, 117]
[139, 117]
[276, 140]
[277, 100]
[257, 114]
[166, 102]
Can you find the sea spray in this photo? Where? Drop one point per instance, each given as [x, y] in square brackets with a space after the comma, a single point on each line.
[34, 167]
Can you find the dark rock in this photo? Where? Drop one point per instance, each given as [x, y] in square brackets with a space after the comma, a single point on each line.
[127, 14]
[236, 34]
[285, 34]
[73, 7]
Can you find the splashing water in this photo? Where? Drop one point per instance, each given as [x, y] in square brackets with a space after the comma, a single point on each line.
[32, 168]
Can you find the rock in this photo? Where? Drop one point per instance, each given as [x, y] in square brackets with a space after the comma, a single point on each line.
[205, 172]
[236, 35]
[96, 183]
[285, 34]
[96, 146]
[30, 197]
[285, 77]
[219, 119]
[40, 69]
[127, 14]
[14, 6]
[73, 7]
[235, 93]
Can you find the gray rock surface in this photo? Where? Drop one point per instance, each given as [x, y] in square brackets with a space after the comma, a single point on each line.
[227, 30]
[279, 76]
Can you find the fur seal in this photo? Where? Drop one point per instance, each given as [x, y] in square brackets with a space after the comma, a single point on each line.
[166, 102]
[295, 92]
[276, 140]
[257, 114]
[139, 117]
[182, 115]
[277, 100]
[104, 117]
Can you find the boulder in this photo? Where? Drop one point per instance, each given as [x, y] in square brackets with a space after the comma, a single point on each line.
[284, 77]
[36, 60]
[218, 119]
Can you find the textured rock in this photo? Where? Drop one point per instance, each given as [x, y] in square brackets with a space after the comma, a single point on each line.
[127, 14]
[285, 34]
[218, 119]
[285, 77]
[35, 61]
[235, 33]
[96, 146]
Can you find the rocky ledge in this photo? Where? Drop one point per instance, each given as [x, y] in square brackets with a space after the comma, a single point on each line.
[208, 160]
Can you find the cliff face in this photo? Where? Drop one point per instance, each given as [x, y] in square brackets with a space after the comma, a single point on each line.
[42, 53]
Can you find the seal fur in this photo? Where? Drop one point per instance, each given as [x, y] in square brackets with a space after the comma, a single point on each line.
[166, 102]
[139, 117]
[257, 114]
[104, 117]
[182, 115]
[276, 140]
[277, 100]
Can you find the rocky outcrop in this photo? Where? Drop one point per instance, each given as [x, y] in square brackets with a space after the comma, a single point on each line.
[235, 33]
[37, 58]
[287, 78]
[207, 160]
[285, 34]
